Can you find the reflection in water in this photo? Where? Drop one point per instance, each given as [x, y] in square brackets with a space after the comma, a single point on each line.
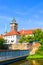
[23, 62]
[34, 62]
[29, 62]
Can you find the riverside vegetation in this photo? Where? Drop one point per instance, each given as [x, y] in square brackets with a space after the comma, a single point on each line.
[2, 45]
[37, 37]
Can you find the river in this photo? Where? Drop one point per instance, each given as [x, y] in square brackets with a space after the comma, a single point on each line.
[29, 62]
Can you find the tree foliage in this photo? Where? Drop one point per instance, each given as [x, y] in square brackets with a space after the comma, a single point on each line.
[25, 38]
[40, 50]
[37, 36]
[29, 38]
[2, 41]
[22, 39]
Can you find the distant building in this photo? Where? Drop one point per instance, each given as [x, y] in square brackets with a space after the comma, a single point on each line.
[12, 37]
[13, 25]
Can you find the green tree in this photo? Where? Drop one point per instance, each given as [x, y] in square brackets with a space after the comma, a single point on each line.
[2, 41]
[38, 35]
[29, 38]
[25, 38]
[40, 50]
[22, 39]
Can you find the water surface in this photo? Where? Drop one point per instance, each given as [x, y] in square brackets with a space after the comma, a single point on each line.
[29, 62]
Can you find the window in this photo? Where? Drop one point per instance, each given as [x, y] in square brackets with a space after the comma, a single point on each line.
[12, 40]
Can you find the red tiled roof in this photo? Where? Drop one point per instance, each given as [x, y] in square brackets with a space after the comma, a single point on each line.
[25, 32]
[12, 33]
[21, 32]
[1, 36]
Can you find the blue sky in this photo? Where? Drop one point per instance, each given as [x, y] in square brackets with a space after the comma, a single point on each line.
[28, 14]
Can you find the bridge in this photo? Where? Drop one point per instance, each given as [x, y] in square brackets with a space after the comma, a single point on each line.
[8, 56]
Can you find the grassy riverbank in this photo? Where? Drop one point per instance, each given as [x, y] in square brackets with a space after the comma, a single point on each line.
[35, 56]
[38, 54]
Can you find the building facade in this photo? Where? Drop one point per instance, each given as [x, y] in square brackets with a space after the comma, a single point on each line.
[13, 36]
[13, 25]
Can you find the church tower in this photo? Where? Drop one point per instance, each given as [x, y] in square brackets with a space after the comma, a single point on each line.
[13, 25]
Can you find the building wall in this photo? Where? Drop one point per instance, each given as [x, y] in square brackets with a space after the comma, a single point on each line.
[13, 26]
[17, 38]
[11, 39]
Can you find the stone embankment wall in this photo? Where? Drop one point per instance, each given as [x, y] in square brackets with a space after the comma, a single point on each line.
[19, 46]
[24, 46]
[34, 47]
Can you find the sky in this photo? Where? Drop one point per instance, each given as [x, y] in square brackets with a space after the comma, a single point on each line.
[28, 14]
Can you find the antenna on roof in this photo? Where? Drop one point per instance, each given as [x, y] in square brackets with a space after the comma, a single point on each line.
[5, 29]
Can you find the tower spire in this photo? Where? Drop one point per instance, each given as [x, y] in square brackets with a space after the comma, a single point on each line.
[5, 29]
[13, 25]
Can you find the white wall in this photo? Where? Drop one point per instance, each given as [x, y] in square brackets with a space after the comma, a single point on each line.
[17, 38]
[13, 38]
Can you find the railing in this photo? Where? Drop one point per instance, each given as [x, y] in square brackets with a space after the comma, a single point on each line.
[13, 54]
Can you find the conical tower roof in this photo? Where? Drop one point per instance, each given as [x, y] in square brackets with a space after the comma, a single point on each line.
[13, 21]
